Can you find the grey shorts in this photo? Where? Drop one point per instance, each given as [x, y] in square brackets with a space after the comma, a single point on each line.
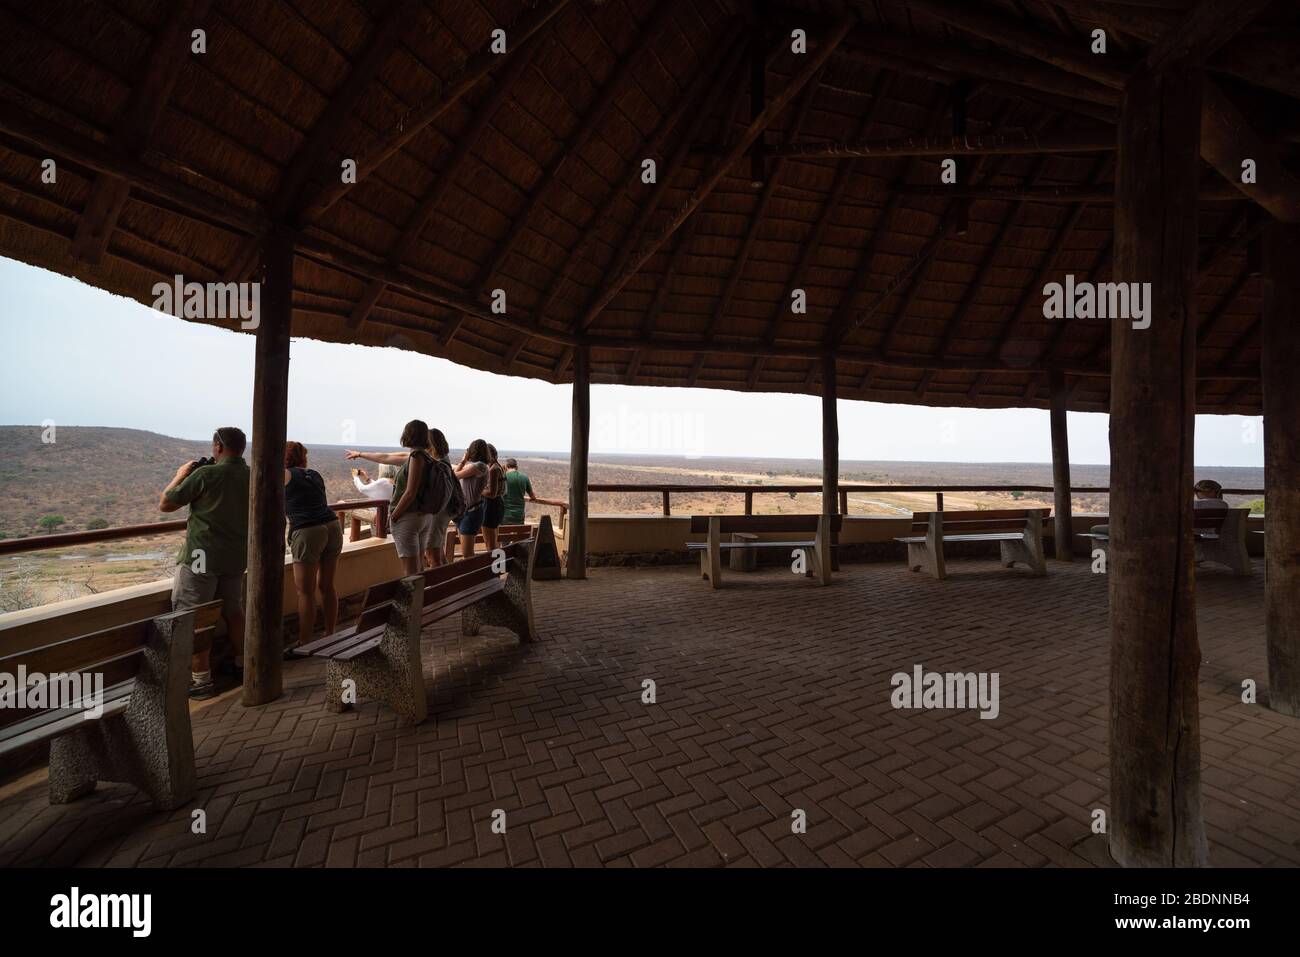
[191, 589]
[438, 534]
[311, 544]
[412, 534]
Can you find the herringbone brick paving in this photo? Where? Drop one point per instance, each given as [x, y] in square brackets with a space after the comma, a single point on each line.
[771, 695]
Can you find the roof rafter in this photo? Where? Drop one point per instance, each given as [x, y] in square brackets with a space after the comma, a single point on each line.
[444, 178]
[135, 128]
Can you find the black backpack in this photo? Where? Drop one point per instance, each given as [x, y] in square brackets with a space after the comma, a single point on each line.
[441, 491]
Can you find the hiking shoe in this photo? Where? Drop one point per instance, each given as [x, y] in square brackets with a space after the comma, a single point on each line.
[201, 688]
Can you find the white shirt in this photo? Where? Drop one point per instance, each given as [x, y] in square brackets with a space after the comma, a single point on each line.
[380, 489]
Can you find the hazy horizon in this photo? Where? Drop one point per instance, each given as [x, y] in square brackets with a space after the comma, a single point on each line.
[71, 360]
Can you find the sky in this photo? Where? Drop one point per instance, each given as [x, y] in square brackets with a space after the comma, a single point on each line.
[76, 355]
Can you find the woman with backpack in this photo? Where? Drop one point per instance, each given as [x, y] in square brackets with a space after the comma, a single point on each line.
[435, 554]
[473, 473]
[411, 524]
[494, 501]
[315, 541]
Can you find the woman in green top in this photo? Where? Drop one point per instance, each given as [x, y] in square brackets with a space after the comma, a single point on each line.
[412, 529]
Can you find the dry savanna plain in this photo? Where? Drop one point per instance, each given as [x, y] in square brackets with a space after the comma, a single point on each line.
[92, 477]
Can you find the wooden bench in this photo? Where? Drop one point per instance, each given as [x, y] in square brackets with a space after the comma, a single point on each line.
[817, 551]
[1219, 533]
[1018, 532]
[380, 653]
[122, 711]
[506, 534]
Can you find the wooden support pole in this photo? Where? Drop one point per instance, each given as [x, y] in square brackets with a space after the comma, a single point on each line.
[1155, 749]
[667, 502]
[1280, 357]
[1061, 468]
[576, 533]
[830, 438]
[263, 634]
[749, 503]
[830, 451]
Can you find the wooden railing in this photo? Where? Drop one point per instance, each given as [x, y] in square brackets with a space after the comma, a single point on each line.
[33, 543]
[749, 491]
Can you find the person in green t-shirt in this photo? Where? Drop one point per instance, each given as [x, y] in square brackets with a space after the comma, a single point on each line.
[517, 486]
[214, 556]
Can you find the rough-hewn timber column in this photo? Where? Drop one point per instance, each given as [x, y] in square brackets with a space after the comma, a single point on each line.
[1280, 358]
[1155, 749]
[830, 439]
[576, 533]
[830, 447]
[263, 641]
[1064, 530]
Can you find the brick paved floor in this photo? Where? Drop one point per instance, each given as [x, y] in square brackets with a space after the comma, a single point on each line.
[772, 695]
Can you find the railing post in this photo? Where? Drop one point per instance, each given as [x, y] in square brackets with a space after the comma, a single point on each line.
[381, 520]
[749, 503]
[668, 509]
[938, 501]
[844, 502]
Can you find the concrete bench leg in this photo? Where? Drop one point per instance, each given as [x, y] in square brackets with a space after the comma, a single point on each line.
[150, 745]
[928, 555]
[511, 608]
[711, 557]
[1020, 551]
[392, 672]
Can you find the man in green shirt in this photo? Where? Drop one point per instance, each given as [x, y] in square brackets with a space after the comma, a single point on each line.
[214, 556]
[517, 486]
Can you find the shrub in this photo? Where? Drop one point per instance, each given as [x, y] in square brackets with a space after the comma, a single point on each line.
[96, 523]
[51, 522]
[1257, 507]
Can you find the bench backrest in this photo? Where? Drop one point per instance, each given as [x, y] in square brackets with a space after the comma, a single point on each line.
[977, 523]
[442, 581]
[1209, 519]
[116, 653]
[763, 523]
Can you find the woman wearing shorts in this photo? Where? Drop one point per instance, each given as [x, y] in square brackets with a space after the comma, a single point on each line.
[472, 472]
[412, 529]
[435, 553]
[494, 499]
[315, 541]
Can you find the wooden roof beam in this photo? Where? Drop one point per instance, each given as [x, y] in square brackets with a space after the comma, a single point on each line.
[446, 177]
[675, 163]
[475, 68]
[650, 145]
[996, 143]
[1018, 37]
[775, 171]
[586, 127]
[1102, 194]
[1228, 139]
[135, 127]
[1201, 31]
[834, 199]
[815, 61]
[379, 43]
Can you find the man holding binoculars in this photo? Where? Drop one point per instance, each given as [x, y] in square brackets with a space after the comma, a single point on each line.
[214, 556]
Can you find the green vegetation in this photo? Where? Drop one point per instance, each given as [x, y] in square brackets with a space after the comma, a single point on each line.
[96, 523]
[51, 522]
[1257, 507]
[1017, 495]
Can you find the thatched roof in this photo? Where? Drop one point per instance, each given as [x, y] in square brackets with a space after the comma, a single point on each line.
[522, 172]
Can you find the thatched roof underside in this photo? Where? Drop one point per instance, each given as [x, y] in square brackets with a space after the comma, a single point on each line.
[530, 182]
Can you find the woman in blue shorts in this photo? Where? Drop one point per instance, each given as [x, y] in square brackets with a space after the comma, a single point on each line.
[472, 472]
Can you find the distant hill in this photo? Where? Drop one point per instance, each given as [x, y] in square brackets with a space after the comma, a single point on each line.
[114, 475]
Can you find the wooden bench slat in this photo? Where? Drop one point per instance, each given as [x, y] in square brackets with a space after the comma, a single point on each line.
[728, 545]
[762, 523]
[70, 653]
[51, 722]
[430, 614]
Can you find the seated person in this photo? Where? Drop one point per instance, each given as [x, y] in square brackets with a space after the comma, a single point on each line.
[1209, 494]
